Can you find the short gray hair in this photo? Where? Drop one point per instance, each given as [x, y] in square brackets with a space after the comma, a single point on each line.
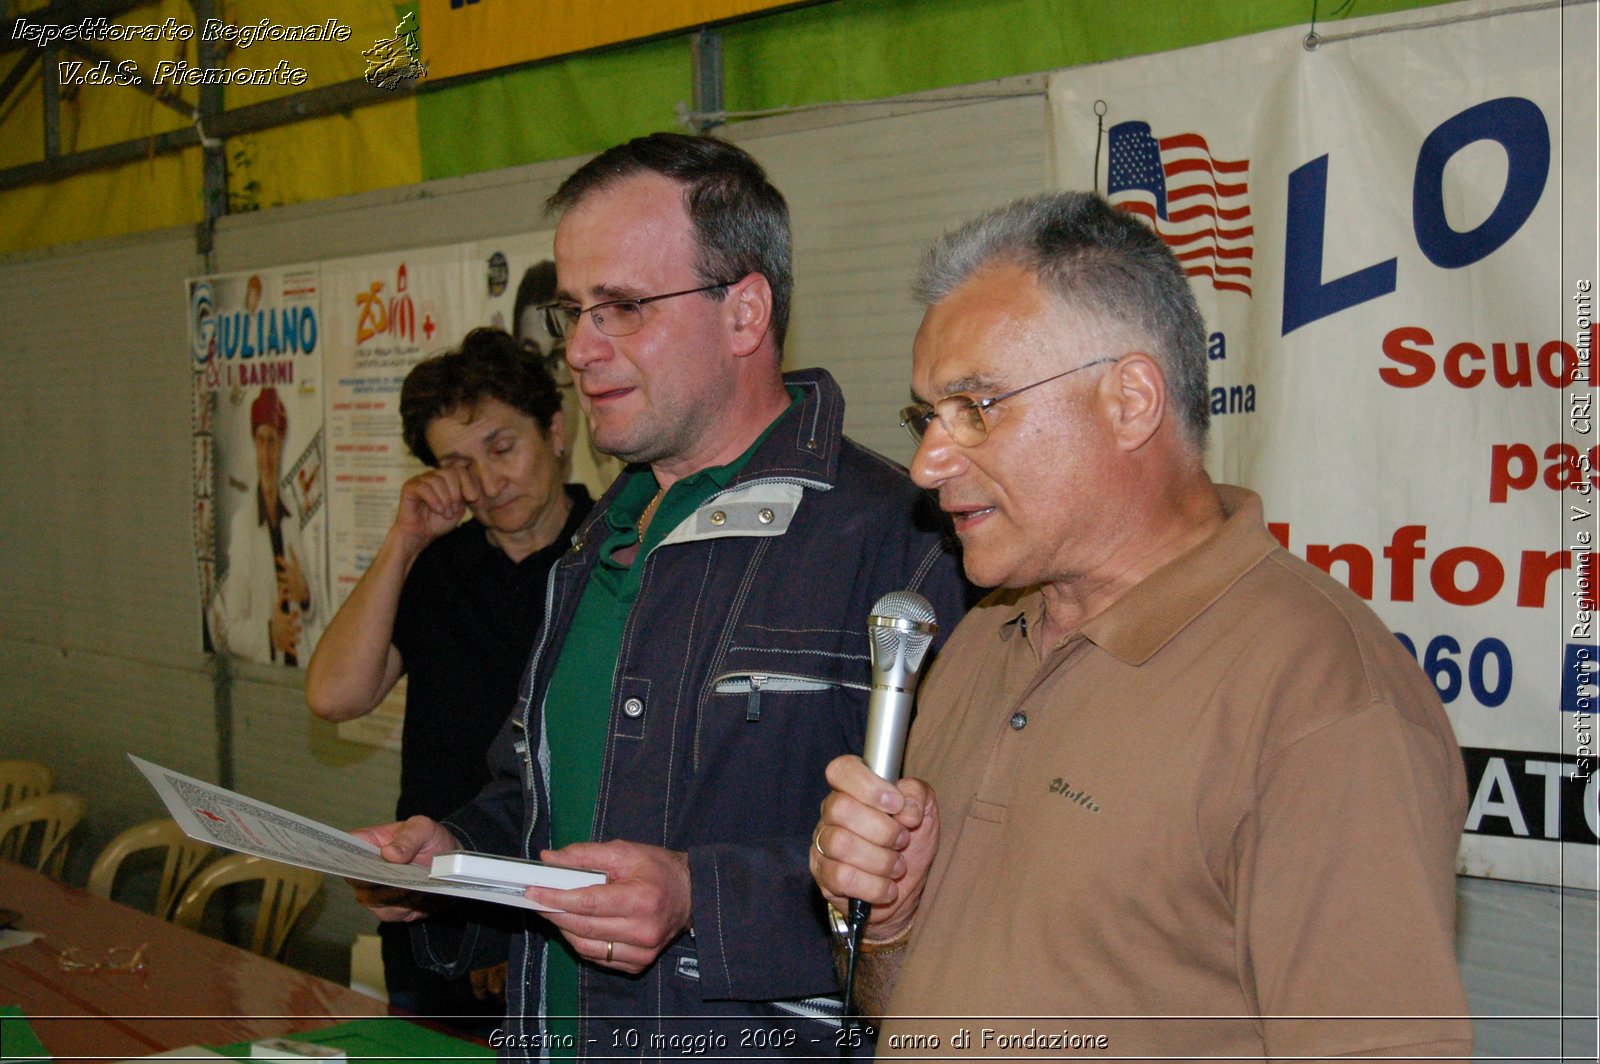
[1097, 259]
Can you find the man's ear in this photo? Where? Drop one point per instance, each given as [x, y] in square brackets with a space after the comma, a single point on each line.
[749, 313]
[1134, 395]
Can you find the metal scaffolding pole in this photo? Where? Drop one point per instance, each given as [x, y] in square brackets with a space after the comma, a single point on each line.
[706, 53]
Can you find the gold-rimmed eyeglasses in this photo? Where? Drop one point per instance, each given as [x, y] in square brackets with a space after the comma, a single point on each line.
[962, 415]
[614, 317]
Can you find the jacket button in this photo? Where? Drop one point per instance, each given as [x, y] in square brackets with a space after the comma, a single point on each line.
[718, 517]
[1019, 720]
[765, 516]
[632, 708]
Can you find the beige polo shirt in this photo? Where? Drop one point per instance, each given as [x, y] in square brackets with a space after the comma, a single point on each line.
[1219, 819]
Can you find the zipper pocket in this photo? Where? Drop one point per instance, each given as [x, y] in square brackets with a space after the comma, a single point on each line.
[751, 684]
[520, 748]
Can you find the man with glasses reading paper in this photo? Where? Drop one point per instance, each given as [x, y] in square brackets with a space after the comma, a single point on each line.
[1172, 792]
[704, 652]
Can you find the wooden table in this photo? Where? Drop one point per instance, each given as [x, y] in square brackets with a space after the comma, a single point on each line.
[192, 990]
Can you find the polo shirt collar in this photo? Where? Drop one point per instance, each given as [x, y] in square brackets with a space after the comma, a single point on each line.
[804, 444]
[1145, 618]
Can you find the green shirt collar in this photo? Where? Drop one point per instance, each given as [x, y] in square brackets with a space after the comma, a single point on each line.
[681, 500]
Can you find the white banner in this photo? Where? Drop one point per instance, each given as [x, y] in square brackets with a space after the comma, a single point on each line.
[1393, 238]
[260, 540]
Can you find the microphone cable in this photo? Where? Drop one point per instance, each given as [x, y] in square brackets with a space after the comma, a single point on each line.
[855, 928]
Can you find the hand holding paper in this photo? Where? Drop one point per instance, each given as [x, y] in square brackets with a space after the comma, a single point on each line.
[415, 841]
[223, 818]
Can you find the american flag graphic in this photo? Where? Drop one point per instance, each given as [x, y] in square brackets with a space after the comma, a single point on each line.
[1197, 203]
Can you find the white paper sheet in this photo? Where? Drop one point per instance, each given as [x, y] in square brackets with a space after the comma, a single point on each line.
[224, 818]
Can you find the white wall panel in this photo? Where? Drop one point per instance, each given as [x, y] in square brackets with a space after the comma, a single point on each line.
[94, 451]
[867, 197]
[99, 635]
[1528, 960]
[440, 212]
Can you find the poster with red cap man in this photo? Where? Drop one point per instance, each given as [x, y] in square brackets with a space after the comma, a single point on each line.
[260, 513]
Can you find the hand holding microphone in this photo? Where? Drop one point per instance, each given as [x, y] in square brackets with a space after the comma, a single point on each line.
[876, 837]
[883, 835]
[900, 629]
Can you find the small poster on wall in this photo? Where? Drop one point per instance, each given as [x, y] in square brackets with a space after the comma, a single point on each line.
[260, 486]
[386, 313]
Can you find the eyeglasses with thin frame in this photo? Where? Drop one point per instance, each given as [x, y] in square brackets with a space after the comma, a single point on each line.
[962, 415]
[614, 317]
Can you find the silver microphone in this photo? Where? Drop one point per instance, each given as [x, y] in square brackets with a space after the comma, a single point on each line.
[901, 627]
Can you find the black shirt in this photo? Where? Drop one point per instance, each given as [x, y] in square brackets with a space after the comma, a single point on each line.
[465, 626]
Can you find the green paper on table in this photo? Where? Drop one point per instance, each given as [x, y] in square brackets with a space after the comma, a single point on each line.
[379, 1040]
[17, 1041]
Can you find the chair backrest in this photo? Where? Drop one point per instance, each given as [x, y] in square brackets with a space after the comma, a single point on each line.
[56, 814]
[285, 892]
[23, 779]
[182, 856]
[366, 967]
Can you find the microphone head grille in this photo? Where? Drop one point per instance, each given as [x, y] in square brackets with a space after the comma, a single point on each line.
[898, 645]
[905, 605]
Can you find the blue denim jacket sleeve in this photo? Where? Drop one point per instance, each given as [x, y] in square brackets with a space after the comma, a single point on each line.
[467, 936]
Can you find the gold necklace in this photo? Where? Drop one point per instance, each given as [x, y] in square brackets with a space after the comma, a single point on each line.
[649, 512]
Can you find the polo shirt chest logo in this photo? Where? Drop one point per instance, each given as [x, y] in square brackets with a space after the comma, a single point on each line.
[1078, 797]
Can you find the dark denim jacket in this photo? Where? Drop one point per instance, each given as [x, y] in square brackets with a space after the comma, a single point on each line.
[744, 671]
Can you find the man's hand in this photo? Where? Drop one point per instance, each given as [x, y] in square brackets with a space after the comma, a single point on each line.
[876, 841]
[413, 841]
[283, 627]
[292, 579]
[625, 922]
[432, 504]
